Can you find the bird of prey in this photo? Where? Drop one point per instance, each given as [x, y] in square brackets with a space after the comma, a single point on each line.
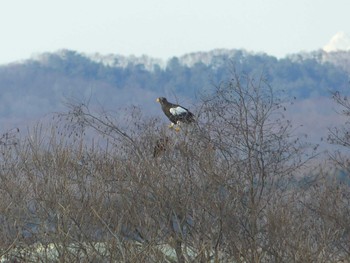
[175, 113]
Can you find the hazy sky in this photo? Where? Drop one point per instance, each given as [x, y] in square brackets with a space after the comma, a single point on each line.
[166, 28]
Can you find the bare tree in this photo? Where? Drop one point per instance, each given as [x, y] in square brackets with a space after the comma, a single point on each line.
[340, 135]
[258, 156]
[124, 188]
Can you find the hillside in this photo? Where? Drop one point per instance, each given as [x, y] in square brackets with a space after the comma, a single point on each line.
[39, 86]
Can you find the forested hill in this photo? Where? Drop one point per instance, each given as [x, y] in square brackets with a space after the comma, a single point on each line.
[32, 88]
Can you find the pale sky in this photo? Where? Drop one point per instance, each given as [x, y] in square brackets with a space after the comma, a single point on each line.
[166, 28]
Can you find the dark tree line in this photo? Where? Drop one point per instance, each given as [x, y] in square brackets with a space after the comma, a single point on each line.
[40, 86]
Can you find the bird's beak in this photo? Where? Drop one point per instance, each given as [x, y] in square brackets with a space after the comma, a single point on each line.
[157, 100]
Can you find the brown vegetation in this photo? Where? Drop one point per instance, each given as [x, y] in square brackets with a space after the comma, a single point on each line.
[227, 189]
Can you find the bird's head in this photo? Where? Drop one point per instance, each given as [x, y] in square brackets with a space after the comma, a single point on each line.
[161, 100]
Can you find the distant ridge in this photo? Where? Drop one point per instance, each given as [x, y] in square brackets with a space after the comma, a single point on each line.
[339, 58]
[216, 58]
[39, 85]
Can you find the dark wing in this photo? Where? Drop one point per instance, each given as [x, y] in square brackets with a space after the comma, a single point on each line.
[181, 114]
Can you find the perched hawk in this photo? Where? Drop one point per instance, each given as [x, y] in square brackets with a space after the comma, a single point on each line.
[175, 113]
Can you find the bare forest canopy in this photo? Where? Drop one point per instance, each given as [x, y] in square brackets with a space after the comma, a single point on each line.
[35, 87]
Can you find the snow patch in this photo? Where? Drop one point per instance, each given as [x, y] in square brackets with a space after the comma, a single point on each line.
[340, 41]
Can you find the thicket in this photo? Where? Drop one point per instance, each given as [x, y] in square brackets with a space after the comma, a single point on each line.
[237, 186]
